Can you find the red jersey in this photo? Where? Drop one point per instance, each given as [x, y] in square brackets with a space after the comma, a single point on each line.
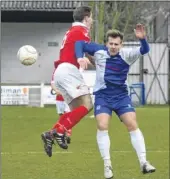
[78, 31]
[58, 97]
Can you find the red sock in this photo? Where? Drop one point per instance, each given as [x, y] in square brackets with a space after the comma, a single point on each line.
[70, 119]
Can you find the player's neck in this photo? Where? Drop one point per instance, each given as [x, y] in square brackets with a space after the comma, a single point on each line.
[113, 54]
[85, 24]
[80, 24]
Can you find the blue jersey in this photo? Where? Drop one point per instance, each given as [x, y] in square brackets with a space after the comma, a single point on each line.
[111, 71]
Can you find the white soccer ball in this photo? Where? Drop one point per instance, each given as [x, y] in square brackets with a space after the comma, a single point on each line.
[27, 55]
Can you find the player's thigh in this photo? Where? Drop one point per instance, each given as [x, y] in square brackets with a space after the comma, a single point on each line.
[70, 82]
[60, 107]
[129, 119]
[123, 105]
[126, 112]
[102, 120]
[84, 100]
[102, 111]
[101, 105]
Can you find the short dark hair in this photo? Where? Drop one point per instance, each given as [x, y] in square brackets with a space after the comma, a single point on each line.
[81, 12]
[114, 33]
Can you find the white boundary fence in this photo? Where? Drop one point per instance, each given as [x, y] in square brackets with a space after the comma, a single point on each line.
[37, 96]
[153, 70]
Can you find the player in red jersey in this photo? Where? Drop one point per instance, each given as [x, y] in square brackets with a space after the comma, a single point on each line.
[69, 80]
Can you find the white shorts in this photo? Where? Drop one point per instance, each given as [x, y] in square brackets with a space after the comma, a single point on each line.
[62, 107]
[70, 82]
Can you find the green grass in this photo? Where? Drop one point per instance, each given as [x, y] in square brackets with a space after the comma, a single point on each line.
[23, 156]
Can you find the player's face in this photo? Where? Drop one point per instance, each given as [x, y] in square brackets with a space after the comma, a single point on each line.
[114, 45]
[89, 21]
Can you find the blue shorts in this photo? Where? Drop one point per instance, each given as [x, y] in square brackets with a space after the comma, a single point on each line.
[106, 104]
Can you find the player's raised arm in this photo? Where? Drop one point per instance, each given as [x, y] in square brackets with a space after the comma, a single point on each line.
[133, 54]
[144, 49]
[141, 35]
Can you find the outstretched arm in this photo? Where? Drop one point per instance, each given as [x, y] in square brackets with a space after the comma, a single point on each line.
[133, 54]
[82, 47]
[141, 35]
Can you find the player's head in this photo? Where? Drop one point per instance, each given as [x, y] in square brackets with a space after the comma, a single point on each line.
[114, 39]
[83, 14]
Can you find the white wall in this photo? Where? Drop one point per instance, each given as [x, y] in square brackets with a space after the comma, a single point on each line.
[157, 86]
[15, 35]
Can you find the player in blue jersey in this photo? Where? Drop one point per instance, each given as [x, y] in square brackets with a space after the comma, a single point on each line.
[111, 91]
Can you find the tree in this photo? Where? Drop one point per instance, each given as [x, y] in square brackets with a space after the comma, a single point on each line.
[125, 15]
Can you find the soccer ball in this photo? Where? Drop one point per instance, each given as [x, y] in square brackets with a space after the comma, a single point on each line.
[27, 55]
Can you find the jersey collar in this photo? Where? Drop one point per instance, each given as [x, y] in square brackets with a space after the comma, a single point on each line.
[78, 24]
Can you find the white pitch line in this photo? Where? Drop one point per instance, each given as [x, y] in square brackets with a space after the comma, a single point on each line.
[32, 152]
[69, 152]
[132, 151]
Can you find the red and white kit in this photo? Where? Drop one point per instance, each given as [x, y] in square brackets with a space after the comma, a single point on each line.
[67, 77]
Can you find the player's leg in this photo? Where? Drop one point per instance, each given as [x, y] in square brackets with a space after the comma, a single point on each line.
[80, 106]
[69, 132]
[127, 115]
[62, 108]
[68, 120]
[103, 115]
[46, 136]
[71, 84]
[83, 100]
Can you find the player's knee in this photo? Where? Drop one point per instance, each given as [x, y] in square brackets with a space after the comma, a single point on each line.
[103, 121]
[102, 125]
[132, 126]
[129, 119]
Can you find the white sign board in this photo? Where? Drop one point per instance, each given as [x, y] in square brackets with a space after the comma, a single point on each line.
[47, 96]
[14, 95]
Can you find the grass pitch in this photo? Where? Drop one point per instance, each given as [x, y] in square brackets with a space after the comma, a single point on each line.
[23, 157]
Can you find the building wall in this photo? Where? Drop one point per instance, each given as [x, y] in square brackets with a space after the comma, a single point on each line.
[15, 35]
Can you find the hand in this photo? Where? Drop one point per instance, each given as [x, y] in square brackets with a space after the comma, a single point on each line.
[91, 59]
[83, 62]
[140, 31]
